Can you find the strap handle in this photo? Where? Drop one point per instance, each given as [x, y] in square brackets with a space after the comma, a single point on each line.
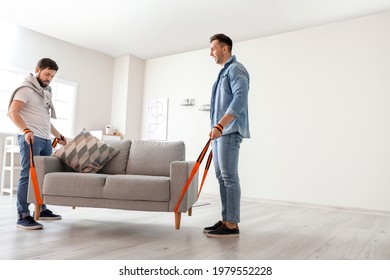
[57, 140]
[193, 172]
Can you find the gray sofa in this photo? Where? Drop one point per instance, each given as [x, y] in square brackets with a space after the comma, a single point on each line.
[144, 176]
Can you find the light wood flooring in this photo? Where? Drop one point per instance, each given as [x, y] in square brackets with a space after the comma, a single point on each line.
[269, 231]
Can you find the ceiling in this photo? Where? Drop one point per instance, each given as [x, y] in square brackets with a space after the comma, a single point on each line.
[155, 28]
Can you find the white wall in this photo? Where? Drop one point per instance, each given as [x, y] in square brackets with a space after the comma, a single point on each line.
[134, 100]
[119, 92]
[127, 96]
[92, 71]
[319, 112]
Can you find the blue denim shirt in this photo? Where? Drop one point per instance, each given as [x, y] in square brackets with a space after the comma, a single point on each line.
[230, 96]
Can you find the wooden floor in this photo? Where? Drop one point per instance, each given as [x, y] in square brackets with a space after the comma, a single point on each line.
[269, 231]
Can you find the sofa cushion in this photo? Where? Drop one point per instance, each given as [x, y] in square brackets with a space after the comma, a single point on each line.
[118, 164]
[74, 184]
[85, 153]
[153, 157]
[137, 187]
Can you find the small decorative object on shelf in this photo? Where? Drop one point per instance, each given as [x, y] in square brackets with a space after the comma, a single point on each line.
[205, 107]
[109, 129]
[188, 102]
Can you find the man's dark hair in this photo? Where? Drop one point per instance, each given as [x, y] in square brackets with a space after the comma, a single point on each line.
[47, 63]
[223, 39]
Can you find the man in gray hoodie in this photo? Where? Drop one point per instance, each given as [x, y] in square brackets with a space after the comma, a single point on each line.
[30, 110]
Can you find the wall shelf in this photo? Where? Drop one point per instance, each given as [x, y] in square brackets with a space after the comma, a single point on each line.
[205, 107]
[188, 102]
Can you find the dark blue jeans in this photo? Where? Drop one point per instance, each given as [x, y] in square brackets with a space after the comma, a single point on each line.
[226, 151]
[41, 147]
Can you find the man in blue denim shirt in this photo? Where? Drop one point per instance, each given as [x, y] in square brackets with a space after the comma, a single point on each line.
[230, 124]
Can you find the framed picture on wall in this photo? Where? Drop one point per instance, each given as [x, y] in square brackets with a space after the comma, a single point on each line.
[157, 121]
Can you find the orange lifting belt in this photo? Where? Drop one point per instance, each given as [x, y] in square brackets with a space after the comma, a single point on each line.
[34, 180]
[193, 172]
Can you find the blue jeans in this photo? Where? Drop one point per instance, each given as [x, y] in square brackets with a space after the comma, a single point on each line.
[41, 147]
[226, 153]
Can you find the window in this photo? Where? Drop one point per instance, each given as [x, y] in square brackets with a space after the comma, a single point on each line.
[64, 100]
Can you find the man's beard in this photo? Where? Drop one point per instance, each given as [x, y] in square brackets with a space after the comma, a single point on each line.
[41, 82]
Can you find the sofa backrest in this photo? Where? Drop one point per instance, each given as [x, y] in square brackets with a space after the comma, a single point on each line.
[154, 157]
[118, 164]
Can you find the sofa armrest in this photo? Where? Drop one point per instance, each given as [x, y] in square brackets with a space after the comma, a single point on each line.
[43, 166]
[180, 171]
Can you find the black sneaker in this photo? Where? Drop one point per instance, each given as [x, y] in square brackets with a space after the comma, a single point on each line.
[224, 231]
[28, 223]
[49, 215]
[214, 227]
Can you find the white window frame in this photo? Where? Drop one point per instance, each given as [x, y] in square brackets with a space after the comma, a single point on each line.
[72, 118]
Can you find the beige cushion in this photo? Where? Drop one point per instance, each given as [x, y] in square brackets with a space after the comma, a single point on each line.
[154, 158]
[73, 184]
[137, 187]
[85, 153]
[117, 165]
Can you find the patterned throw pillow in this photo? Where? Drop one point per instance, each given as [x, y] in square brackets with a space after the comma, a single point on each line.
[85, 153]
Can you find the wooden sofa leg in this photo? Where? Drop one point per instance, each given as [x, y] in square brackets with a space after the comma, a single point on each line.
[37, 211]
[177, 220]
[190, 212]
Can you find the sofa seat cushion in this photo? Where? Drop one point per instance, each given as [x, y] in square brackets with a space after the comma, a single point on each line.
[74, 184]
[137, 187]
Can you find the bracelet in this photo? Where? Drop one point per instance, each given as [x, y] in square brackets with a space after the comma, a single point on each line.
[219, 127]
[220, 130]
[27, 130]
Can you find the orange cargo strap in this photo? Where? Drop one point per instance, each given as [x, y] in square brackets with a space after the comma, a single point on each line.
[193, 172]
[34, 179]
[206, 170]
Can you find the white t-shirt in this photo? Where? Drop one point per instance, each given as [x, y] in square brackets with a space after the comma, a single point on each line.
[35, 113]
